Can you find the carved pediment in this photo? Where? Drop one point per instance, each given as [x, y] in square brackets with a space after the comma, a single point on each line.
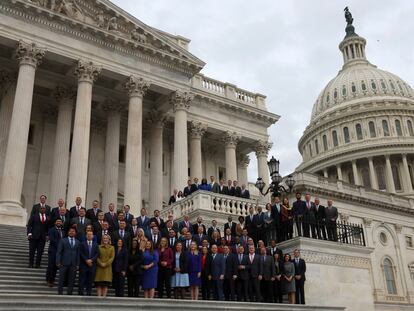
[102, 18]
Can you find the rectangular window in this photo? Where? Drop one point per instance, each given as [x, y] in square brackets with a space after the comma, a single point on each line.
[122, 153]
[409, 241]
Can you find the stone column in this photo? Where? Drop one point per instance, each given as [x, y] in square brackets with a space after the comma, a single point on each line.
[230, 140]
[196, 131]
[7, 92]
[372, 175]
[339, 171]
[243, 161]
[157, 121]
[29, 57]
[86, 73]
[136, 87]
[408, 187]
[113, 129]
[59, 179]
[355, 173]
[181, 104]
[388, 175]
[262, 150]
[325, 173]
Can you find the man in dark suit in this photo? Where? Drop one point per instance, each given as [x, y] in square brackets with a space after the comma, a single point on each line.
[63, 215]
[143, 220]
[55, 211]
[255, 275]
[68, 260]
[237, 189]
[320, 220]
[81, 222]
[230, 188]
[92, 213]
[267, 276]
[230, 225]
[331, 214]
[199, 237]
[74, 210]
[309, 217]
[194, 185]
[272, 249]
[223, 189]
[186, 224]
[154, 235]
[228, 237]
[55, 234]
[277, 218]
[230, 275]
[87, 267]
[123, 234]
[199, 223]
[36, 207]
[242, 280]
[299, 211]
[105, 231]
[245, 194]
[259, 225]
[250, 223]
[128, 216]
[213, 228]
[166, 230]
[187, 189]
[173, 197]
[133, 228]
[100, 219]
[37, 230]
[111, 216]
[158, 220]
[214, 185]
[300, 278]
[216, 273]
[172, 239]
[187, 238]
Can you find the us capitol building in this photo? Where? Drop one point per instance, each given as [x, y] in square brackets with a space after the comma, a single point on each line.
[97, 104]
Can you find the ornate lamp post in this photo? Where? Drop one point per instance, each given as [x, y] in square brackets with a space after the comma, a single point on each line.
[275, 187]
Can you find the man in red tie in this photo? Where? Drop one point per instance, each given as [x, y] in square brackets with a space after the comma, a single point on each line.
[42, 203]
[37, 230]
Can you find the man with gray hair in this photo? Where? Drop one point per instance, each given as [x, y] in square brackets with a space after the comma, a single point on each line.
[331, 213]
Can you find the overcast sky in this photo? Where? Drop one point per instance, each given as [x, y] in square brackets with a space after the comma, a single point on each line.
[287, 50]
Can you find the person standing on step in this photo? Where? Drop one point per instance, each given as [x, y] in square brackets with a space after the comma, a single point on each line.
[68, 260]
[103, 276]
[217, 270]
[36, 208]
[56, 233]
[300, 269]
[37, 230]
[120, 267]
[89, 254]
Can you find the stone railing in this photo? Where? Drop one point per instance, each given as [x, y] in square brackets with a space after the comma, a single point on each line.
[227, 90]
[210, 202]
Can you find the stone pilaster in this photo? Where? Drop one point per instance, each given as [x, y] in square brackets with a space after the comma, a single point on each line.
[355, 173]
[339, 171]
[136, 87]
[181, 104]
[388, 175]
[408, 187]
[231, 140]
[262, 148]
[243, 161]
[65, 97]
[372, 174]
[86, 73]
[196, 131]
[29, 56]
[113, 110]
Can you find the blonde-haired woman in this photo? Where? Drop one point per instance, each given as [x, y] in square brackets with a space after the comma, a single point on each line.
[194, 270]
[103, 276]
[142, 240]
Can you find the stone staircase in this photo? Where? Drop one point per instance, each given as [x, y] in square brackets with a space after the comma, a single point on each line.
[22, 288]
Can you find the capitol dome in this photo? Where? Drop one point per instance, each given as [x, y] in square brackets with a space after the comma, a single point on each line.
[361, 127]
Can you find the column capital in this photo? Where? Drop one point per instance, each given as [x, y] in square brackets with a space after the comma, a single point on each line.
[29, 53]
[136, 86]
[243, 160]
[387, 157]
[181, 100]
[86, 71]
[398, 228]
[262, 148]
[156, 118]
[111, 105]
[367, 221]
[64, 94]
[197, 129]
[231, 139]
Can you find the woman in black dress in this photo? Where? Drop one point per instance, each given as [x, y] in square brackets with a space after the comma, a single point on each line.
[120, 266]
[134, 273]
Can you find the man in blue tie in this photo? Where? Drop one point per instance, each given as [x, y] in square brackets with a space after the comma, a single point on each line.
[68, 259]
[87, 268]
[216, 273]
[55, 234]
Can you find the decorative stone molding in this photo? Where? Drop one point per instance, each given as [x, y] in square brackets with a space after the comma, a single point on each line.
[156, 118]
[64, 94]
[86, 71]
[344, 217]
[367, 222]
[136, 86]
[398, 228]
[243, 160]
[262, 148]
[98, 126]
[29, 53]
[197, 129]
[231, 139]
[181, 100]
[335, 259]
[111, 105]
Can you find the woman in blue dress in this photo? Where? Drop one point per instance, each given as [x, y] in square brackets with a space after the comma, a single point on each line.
[180, 278]
[204, 185]
[150, 266]
[194, 270]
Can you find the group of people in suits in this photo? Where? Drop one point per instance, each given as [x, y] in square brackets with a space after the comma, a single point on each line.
[165, 256]
[231, 188]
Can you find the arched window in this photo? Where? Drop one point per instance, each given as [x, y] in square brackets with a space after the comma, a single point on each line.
[381, 177]
[396, 177]
[335, 138]
[372, 132]
[410, 128]
[346, 135]
[325, 142]
[358, 129]
[365, 178]
[389, 277]
[398, 127]
[316, 146]
[385, 128]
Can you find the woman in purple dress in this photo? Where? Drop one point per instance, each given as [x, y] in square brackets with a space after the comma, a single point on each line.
[150, 266]
[194, 270]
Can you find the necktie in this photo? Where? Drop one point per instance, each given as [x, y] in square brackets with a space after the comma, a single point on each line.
[240, 258]
[188, 243]
[81, 221]
[90, 248]
[251, 258]
[63, 218]
[71, 242]
[60, 232]
[214, 256]
[171, 242]
[43, 218]
[122, 233]
[154, 239]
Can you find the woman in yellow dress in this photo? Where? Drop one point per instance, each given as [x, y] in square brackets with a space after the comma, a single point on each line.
[103, 277]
